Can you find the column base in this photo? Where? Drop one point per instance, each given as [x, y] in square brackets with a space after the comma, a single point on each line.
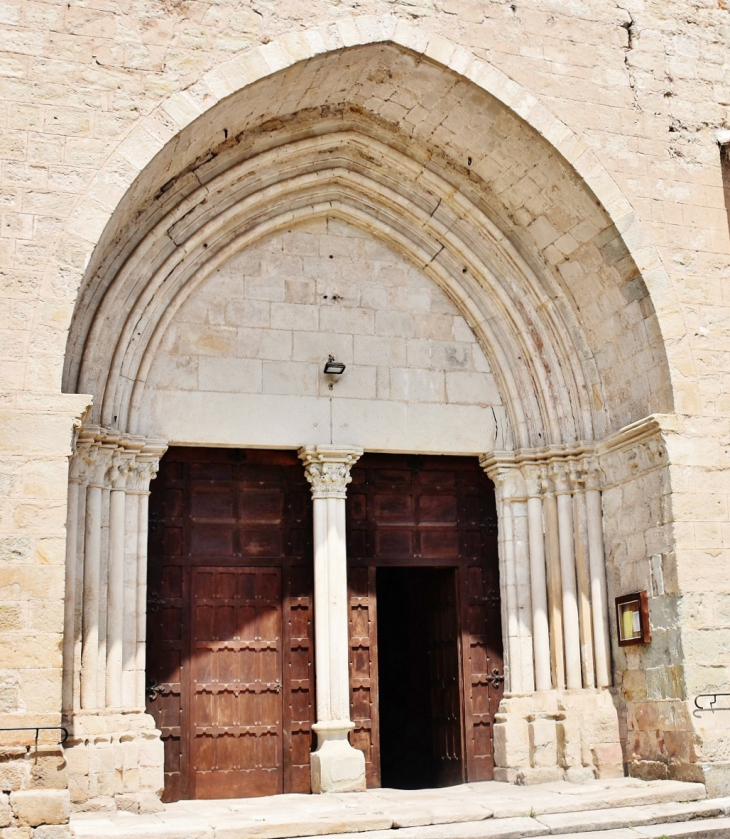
[115, 761]
[556, 735]
[336, 765]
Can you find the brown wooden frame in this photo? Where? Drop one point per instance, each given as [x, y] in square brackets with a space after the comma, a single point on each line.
[642, 598]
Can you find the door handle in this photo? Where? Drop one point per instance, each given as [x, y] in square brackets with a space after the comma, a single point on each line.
[276, 687]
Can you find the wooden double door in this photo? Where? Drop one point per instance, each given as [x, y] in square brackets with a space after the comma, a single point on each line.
[229, 622]
[230, 646]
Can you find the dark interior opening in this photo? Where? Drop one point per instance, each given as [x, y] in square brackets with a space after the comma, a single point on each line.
[418, 678]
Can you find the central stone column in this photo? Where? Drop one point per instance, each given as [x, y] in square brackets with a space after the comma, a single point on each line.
[336, 765]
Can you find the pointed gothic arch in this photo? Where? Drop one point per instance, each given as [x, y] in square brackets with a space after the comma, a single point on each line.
[510, 225]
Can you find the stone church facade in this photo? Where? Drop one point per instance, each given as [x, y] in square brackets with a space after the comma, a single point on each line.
[510, 222]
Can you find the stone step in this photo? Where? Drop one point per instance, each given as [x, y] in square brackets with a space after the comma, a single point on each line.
[718, 828]
[636, 816]
[692, 819]
[470, 811]
[697, 819]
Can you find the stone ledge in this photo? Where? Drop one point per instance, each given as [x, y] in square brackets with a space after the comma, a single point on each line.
[41, 807]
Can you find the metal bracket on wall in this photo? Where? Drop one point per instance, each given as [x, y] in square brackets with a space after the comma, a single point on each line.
[707, 703]
[39, 728]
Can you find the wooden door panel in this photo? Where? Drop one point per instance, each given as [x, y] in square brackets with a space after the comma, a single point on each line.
[394, 543]
[481, 640]
[164, 662]
[446, 691]
[405, 510]
[236, 671]
[363, 670]
[212, 502]
[397, 509]
[230, 622]
[437, 509]
[298, 678]
[440, 543]
[210, 539]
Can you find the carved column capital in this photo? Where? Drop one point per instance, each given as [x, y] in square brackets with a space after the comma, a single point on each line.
[108, 458]
[533, 474]
[592, 475]
[560, 472]
[98, 460]
[146, 465]
[79, 463]
[120, 469]
[141, 472]
[584, 474]
[506, 474]
[327, 468]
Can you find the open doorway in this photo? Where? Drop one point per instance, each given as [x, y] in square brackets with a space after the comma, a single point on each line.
[419, 678]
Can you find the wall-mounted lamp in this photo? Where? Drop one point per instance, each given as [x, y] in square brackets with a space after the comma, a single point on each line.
[334, 368]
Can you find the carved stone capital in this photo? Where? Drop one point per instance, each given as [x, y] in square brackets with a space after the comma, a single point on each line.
[78, 472]
[108, 458]
[146, 465]
[119, 469]
[506, 474]
[591, 475]
[98, 459]
[534, 479]
[560, 472]
[327, 468]
[140, 475]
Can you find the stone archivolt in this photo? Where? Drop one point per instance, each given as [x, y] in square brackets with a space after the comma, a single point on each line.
[419, 218]
[455, 221]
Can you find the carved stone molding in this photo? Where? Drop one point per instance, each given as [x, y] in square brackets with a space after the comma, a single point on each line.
[106, 457]
[528, 473]
[327, 468]
[634, 451]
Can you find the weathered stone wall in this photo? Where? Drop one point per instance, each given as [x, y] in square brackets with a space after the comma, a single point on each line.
[36, 443]
[640, 557]
[699, 456]
[644, 86]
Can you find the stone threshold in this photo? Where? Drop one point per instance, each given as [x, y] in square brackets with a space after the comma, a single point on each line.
[621, 808]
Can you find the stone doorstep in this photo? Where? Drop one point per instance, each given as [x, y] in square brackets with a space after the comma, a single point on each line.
[637, 816]
[544, 803]
[709, 829]
[511, 828]
[456, 813]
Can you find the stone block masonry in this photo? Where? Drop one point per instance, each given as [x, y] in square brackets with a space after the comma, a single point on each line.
[339, 292]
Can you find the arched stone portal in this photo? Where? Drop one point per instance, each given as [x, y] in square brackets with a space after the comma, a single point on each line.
[500, 237]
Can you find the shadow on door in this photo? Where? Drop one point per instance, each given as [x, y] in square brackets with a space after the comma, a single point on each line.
[419, 678]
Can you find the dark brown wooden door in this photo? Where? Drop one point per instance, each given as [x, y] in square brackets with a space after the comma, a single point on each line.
[236, 682]
[436, 512]
[229, 632]
[445, 671]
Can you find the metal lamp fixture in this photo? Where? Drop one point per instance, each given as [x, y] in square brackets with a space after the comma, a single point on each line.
[334, 368]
